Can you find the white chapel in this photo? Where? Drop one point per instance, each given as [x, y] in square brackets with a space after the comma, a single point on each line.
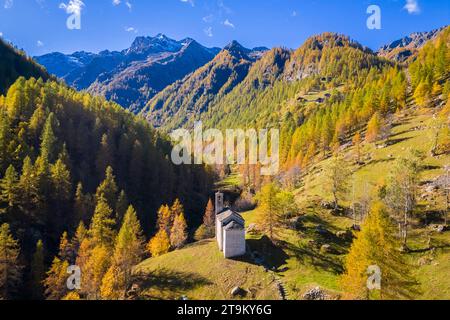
[230, 230]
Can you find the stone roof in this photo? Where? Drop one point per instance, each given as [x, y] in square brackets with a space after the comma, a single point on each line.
[234, 226]
[230, 214]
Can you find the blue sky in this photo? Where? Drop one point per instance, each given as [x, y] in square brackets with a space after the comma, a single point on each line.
[39, 26]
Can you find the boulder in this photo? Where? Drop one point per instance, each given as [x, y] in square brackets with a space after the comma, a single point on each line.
[344, 235]
[238, 291]
[439, 228]
[326, 248]
[315, 294]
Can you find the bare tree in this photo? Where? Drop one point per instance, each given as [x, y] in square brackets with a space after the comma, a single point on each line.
[401, 191]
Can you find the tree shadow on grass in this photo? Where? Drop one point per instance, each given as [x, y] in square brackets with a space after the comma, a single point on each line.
[164, 284]
[392, 142]
[313, 257]
[265, 253]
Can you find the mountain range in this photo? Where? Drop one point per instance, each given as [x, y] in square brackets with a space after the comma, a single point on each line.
[405, 48]
[172, 83]
[131, 77]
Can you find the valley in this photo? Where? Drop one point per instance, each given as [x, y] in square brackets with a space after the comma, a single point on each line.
[87, 179]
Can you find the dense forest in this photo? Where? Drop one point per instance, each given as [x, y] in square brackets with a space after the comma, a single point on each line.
[66, 155]
[15, 63]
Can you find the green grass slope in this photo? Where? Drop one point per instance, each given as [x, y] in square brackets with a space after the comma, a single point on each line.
[200, 272]
[306, 266]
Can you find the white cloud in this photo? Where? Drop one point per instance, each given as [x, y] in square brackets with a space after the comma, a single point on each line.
[412, 6]
[1, 34]
[208, 31]
[131, 29]
[191, 2]
[39, 43]
[74, 7]
[208, 18]
[8, 4]
[227, 23]
[118, 2]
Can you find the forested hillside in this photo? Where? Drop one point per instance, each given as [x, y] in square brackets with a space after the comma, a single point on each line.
[14, 64]
[181, 103]
[68, 159]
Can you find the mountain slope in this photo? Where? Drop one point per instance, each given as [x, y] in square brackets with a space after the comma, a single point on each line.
[277, 83]
[137, 83]
[191, 96]
[14, 64]
[61, 65]
[132, 76]
[327, 60]
[404, 49]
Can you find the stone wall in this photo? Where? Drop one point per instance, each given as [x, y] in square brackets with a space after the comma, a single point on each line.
[234, 243]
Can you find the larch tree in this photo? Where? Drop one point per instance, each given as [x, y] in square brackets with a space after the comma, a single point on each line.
[209, 218]
[338, 179]
[179, 233]
[377, 248]
[159, 244]
[164, 218]
[10, 268]
[356, 141]
[269, 208]
[374, 128]
[56, 281]
[95, 268]
[128, 252]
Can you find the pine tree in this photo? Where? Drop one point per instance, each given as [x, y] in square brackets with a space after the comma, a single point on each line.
[62, 186]
[29, 194]
[48, 139]
[10, 269]
[9, 192]
[178, 234]
[376, 245]
[101, 230]
[108, 189]
[159, 244]
[38, 272]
